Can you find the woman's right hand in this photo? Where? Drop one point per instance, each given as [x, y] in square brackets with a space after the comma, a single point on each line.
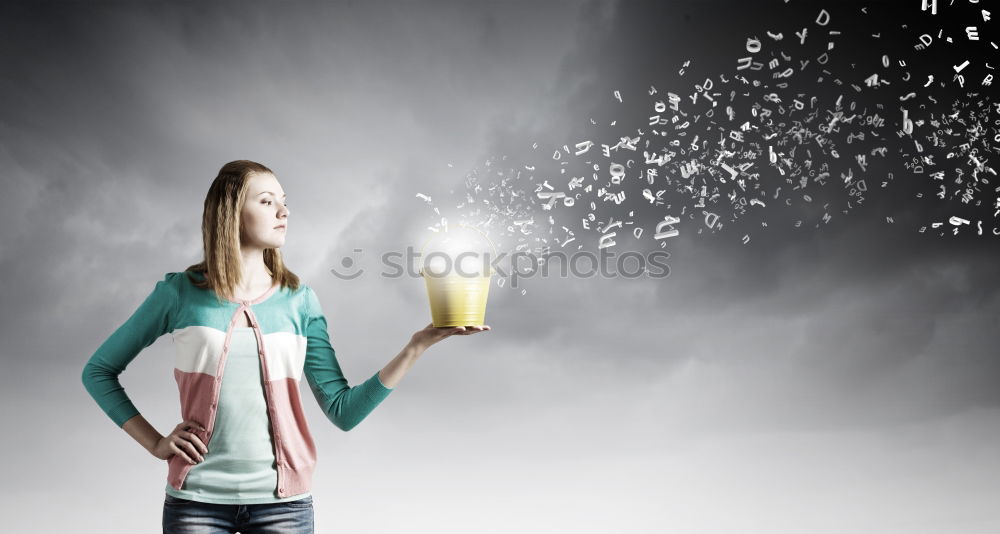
[183, 442]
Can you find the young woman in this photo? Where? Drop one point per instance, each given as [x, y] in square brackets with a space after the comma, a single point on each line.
[246, 330]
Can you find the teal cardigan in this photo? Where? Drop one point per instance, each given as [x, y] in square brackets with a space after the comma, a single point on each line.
[292, 337]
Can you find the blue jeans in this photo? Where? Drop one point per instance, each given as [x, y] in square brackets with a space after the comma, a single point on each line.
[181, 516]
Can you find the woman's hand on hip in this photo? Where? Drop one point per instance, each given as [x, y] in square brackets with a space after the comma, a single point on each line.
[183, 442]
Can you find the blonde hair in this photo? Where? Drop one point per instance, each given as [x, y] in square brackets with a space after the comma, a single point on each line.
[220, 232]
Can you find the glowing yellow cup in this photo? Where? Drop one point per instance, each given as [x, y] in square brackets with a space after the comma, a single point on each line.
[457, 299]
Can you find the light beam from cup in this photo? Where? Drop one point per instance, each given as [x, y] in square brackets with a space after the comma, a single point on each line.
[456, 269]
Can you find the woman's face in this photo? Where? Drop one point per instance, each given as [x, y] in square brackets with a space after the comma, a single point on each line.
[264, 220]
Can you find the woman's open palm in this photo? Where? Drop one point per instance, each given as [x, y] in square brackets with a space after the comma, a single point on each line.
[431, 334]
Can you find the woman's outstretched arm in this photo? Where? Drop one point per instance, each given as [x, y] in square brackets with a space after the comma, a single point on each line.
[345, 405]
[395, 370]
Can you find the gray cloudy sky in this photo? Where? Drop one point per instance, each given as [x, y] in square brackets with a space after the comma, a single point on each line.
[833, 380]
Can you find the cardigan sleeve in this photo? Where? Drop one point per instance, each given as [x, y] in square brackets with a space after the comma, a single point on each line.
[151, 320]
[345, 406]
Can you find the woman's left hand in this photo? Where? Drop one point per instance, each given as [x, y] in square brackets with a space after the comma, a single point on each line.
[430, 334]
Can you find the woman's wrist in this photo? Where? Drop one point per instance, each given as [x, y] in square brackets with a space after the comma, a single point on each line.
[415, 348]
[143, 432]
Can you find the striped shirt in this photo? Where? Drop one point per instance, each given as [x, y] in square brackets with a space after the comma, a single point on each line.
[240, 467]
[290, 331]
